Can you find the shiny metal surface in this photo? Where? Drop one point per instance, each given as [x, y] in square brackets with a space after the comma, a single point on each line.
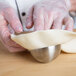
[46, 54]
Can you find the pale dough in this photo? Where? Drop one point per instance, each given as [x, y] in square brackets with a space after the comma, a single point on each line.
[46, 38]
[69, 47]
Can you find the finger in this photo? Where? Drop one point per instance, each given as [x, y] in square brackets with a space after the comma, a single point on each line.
[5, 36]
[15, 49]
[7, 42]
[12, 48]
[38, 19]
[13, 20]
[68, 21]
[2, 21]
[48, 20]
[57, 24]
[4, 33]
[10, 29]
[29, 18]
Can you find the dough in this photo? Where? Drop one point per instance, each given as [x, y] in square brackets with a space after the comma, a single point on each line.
[45, 38]
[69, 47]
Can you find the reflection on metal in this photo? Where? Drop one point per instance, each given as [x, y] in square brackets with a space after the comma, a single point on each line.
[46, 54]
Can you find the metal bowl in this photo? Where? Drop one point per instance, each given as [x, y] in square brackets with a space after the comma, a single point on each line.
[46, 54]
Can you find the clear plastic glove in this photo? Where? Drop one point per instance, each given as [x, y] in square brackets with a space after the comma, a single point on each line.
[49, 14]
[8, 16]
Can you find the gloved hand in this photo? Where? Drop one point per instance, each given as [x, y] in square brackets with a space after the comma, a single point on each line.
[8, 16]
[49, 14]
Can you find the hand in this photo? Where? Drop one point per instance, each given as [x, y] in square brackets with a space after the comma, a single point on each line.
[73, 5]
[49, 14]
[8, 16]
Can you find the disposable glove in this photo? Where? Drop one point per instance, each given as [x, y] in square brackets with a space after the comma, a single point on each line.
[9, 23]
[49, 14]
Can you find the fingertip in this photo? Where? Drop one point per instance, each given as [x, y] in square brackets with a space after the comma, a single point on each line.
[69, 23]
[18, 29]
[69, 28]
[29, 25]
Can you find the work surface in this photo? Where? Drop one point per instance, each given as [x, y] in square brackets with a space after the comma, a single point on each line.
[23, 64]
